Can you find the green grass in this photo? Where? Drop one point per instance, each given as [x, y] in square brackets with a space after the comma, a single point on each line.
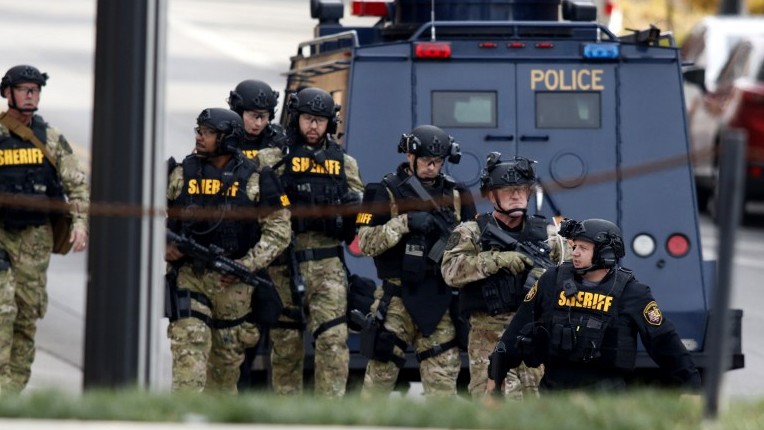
[653, 410]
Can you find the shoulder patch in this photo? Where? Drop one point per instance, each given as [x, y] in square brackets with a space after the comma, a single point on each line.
[532, 293]
[653, 314]
[453, 240]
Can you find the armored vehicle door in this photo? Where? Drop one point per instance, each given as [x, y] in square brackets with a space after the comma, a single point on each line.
[473, 102]
[566, 120]
[561, 115]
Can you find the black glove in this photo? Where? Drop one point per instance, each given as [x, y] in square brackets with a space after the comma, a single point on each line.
[421, 222]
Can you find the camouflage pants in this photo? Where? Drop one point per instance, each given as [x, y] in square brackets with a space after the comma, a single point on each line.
[438, 373]
[287, 345]
[204, 358]
[325, 300]
[29, 250]
[485, 332]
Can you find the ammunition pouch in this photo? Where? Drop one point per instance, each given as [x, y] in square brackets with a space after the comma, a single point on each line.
[5, 260]
[577, 343]
[501, 294]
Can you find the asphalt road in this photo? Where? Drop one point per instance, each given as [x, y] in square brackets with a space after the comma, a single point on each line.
[212, 45]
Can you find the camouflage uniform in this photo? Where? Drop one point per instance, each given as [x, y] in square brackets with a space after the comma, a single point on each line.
[325, 300]
[272, 138]
[381, 234]
[29, 249]
[209, 359]
[465, 262]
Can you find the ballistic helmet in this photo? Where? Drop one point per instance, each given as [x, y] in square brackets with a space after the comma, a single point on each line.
[498, 173]
[430, 141]
[314, 101]
[20, 74]
[227, 123]
[253, 95]
[606, 236]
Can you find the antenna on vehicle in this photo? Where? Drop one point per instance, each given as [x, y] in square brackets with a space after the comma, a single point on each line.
[432, 20]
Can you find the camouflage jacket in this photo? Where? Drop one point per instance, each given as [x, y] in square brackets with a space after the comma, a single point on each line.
[464, 261]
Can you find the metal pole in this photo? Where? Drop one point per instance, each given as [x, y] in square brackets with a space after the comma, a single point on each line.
[730, 203]
[124, 138]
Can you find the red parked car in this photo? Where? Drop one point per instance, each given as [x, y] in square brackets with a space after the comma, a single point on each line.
[736, 101]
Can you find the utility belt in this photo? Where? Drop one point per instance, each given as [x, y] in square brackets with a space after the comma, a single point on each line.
[310, 254]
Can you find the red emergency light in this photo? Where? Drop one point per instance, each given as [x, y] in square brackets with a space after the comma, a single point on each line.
[370, 8]
[678, 245]
[432, 50]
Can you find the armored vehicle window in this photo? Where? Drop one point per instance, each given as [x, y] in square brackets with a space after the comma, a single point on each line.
[567, 109]
[464, 109]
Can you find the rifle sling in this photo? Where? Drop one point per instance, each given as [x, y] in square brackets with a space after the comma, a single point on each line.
[27, 134]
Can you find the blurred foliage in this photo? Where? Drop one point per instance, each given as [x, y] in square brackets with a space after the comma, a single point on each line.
[637, 410]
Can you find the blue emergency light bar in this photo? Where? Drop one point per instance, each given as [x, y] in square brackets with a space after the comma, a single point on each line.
[601, 51]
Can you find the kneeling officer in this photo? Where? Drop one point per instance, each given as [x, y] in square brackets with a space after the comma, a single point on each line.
[581, 321]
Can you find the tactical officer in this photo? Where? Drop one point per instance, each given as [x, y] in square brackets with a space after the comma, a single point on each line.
[212, 324]
[256, 102]
[490, 260]
[413, 211]
[37, 163]
[322, 182]
[581, 320]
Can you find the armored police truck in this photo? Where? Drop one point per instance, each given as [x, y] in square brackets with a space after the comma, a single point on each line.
[602, 114]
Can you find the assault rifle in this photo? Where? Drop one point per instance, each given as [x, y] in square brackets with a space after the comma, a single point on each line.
[538, 252]
[445, 223]
[212, 257]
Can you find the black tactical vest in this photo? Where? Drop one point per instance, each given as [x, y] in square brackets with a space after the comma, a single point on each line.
[501, 292]
[390, 263]
[272, 136]
[205, 186]
[583, 327]
[25, 171]
[316, 178]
